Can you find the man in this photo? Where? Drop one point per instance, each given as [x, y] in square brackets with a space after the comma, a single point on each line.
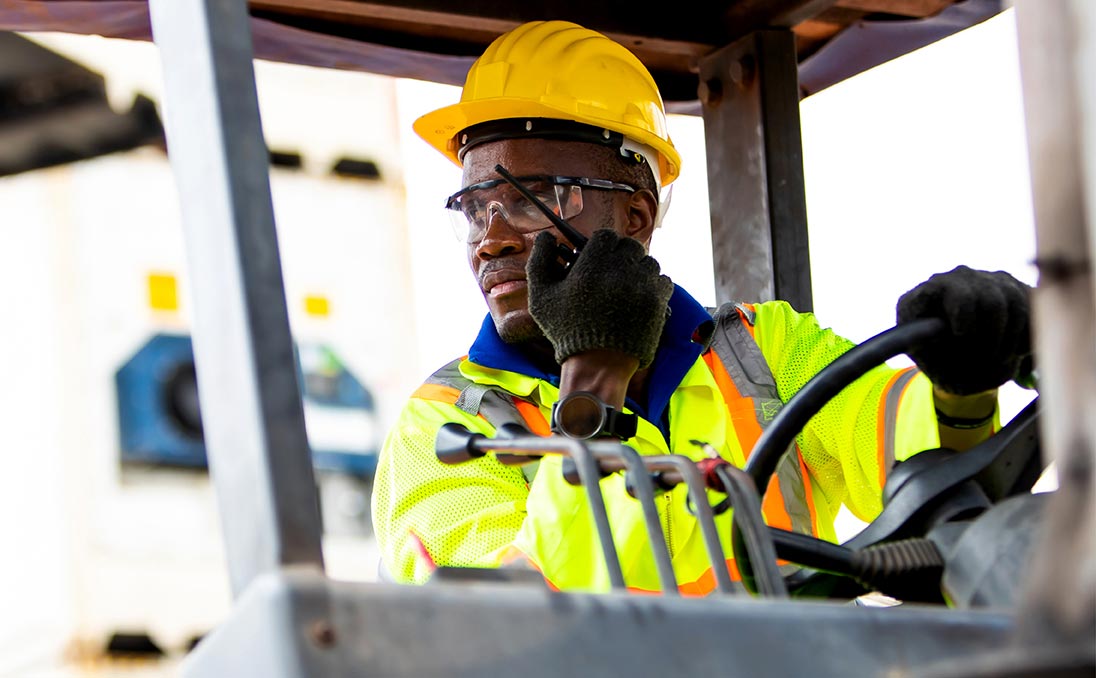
[578, 119]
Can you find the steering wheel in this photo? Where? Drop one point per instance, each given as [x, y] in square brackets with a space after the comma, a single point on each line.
[898, 553]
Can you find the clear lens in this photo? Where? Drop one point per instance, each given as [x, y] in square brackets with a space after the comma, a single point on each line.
[471, 212]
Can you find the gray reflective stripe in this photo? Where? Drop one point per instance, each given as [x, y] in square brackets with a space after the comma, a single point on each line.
[495, 404]
[747, 311]
[750, 372]
[741, 355]
[492, 402]
[498, 408]
[450, 376]
[890, 415]
[789, 474]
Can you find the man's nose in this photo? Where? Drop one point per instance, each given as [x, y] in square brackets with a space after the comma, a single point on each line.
[499, 236]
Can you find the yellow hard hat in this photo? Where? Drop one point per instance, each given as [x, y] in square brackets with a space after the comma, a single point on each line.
[547, 71]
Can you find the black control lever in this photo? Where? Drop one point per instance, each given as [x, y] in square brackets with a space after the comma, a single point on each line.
[512, 432]
[568, 254]
[455, 444]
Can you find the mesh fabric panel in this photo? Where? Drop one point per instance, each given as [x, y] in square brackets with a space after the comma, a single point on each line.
[461, 514]
[840, 445]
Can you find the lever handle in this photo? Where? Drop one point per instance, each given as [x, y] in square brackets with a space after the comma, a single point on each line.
[658, 479]
[455, 444]
[569, 469]
[509, 432]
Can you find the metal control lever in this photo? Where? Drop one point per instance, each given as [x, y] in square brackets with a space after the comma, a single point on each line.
[752, 542]
[611, 457]
[509, 432]
[673, 469]
[456, 444]
[638, 482]
[591, 461]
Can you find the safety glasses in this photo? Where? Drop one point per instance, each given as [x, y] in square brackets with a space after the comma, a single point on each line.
[471, 208]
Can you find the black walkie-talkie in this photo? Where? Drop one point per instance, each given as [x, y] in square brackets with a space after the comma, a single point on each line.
[577, 240]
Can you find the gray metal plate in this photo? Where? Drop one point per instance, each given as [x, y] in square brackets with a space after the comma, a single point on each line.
[290, 625]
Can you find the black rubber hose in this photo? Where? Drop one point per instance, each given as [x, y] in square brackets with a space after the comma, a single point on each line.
[822, 388]
[751, 541]
[814, 553]
[909, 569]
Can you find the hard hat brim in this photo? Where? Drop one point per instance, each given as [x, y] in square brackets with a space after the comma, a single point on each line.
[440, 128]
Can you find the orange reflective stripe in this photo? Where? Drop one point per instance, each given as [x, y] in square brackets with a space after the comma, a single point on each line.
[702, 586]
[437, 392]
[743, 416]
[533, 417]
[748, 431]
[441, 394]
[421, 551]
[705, 583]
[722, 379]
[772, 506]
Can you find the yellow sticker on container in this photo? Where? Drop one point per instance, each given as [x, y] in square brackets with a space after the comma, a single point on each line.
[317, 305]
[163, 293]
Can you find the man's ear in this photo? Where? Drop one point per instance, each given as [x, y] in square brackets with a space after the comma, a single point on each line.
[641, 210]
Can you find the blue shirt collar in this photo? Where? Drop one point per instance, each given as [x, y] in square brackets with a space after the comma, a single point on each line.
[675, 356]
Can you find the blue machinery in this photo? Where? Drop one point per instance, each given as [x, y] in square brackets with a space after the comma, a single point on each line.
[290, 620]
[160, 423]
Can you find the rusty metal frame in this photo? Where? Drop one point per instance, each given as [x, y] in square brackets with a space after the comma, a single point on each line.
[252, 414]
[750, 97]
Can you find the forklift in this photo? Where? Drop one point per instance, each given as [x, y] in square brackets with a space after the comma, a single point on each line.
[998, 581]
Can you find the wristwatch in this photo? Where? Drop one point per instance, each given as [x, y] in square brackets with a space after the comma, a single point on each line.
[583, 415]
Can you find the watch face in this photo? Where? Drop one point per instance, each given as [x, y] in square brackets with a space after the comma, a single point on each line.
[580, 415]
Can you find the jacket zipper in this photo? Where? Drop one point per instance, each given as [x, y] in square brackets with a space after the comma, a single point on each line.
[669, 525]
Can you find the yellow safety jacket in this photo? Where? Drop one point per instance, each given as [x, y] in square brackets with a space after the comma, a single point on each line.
[484, 513]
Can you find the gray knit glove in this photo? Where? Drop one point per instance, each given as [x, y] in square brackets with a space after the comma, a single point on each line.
[613, 297]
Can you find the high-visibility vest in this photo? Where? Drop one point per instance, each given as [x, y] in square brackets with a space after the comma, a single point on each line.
[555, 534]
[749, 391]
[744, 379]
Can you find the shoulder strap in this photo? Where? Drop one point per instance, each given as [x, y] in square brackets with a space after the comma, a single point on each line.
[733, 342]
[493, 403]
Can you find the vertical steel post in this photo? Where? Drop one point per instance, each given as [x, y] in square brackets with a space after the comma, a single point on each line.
[247, 378]
[749, 93]
[1058, 69]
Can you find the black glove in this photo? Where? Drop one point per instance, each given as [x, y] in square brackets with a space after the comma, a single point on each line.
[988, 318]
[613, 297]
